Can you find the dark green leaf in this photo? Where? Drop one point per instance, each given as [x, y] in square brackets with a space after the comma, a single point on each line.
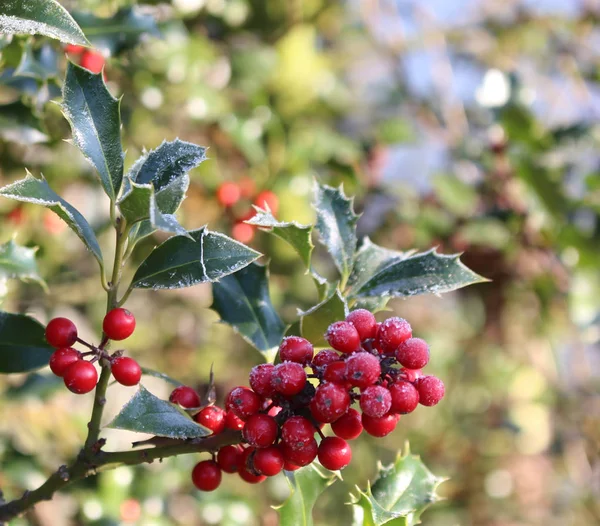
[336, 225]
[18, 124]
[95, 119]
[182, 262]
[41, 17]
[162, 376]
[401, 493]
[307, 484]
[19, 262]
[314, 322]
[37, 191]
[242, 300]
[23, 345]
[146, 413]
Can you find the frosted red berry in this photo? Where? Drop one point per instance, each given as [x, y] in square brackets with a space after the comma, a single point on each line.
[118, 324]
[324, 357]
[61, 332]
[185, 396]
[330, 402]
[379, 427]
[288, 378]
[62, 358]
[228, 194]
[334, 453]
[229, 458]
[297, 432]
[261, 379]
[405, 397]
[300, 457]
[335, 372]
[211, 417]
[392, 332]
[260, 430]
[80, 377]
[413, 353]
[269, 461]
[232, 421]
[362, 369]
[126, 371]
[375, 401]
[243, 402]
[343, 337]
[365, 323]
[206, 475]
[431, 390]
[296, 349]
[348, 426]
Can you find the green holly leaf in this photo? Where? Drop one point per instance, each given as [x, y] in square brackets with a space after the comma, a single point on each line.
[185, 261]
[19, 262]
[40, 63]
[37, 191]
[401, 493]
[23, 346]
[94, 116]
[336, 225]
[18, 124]
[146, 413]
[242, 300]
[306, 484]
[314, 322]
[40, 17]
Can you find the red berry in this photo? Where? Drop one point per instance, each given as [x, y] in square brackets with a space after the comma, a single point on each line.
[269, 461]
[246, 470]
[289, 466]
[324, 357]
[288, 378]
[229, 458]
[81, 377]
[348, 426]
[118, 324]
[260, 379]
[300, 457]
[297, 432]
[379, 427]
[266, 199]
[343, 336]
[335, 372]
[375, 401]
[126, 370]
[242, 232]
[260, 430]
[243, 402]
[330, 402]
[411, 375]
[365, 323]
[296, 349]
[413, 353]
[405, 398]
[334, 453]
[62, 358]
[73, 49]
[206, 475]
[362, 369]
[92, 61]
[392, 332]
[228, 194]
[61, 332]
[211, 417]
[431, 390]
[185, 396]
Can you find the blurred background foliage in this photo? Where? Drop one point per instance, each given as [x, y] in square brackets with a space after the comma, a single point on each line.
[468, 125]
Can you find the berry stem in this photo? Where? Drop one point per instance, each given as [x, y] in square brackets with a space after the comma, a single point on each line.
[88, 345]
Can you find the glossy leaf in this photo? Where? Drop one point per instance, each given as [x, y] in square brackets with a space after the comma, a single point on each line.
[306, 484]
[19, 262]
[40, 17]
[399, 496]
[95, 119]
[182, 262]
[314, 322]
[242, 300]
[37, 191]
[146, 413]
[23, 345]
[336, 225]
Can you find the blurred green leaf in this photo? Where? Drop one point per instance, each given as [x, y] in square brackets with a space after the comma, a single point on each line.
[18, 124]
[185, 261]
[307, 484]
[151, 372]
[40, 63]
[37, 191]
[487, 232]
[242, 300]
[314, 322]
[23, 344]
[458, 197]
[19, 262]
[146, 413]
[41, 17]
[37, 386]
[94, 116]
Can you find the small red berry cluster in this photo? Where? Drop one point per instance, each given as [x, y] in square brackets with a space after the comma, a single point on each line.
[88, 58]
[375, 364]
[80, 375]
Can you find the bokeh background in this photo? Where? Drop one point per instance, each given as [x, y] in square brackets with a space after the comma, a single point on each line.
[471, 125]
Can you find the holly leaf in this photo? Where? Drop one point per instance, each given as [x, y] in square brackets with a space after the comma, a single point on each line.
[19, 262]
[185, 261]
[23, 344]
[94, 116]
[37, 191]
[242, 300]
[306, 484]
[146, 413]
[314, 322]
[401, 493]
[336, 225]
[40, 17]
[428, 272]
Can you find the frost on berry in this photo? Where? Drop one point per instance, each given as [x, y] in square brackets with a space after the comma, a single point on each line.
[431, 390]
[212, 417]
[243, 402]
[300, 457]
[335, 372]
[297, 432]
[296, 349]
[362, 369]
[364, 322]
[288, 378]
[330, 402]
[343, 337]
[413, 353]
[392, 332]
[375, 401]
[260, 430]
[324, 357]
[260, 379]
[405, 397]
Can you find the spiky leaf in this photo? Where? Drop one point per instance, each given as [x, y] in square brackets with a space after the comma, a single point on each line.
[19, 262]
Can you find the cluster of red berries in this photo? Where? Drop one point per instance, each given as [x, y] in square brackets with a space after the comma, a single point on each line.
[236, 198]
[375, 364]
[80, 375]
[88, 58]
